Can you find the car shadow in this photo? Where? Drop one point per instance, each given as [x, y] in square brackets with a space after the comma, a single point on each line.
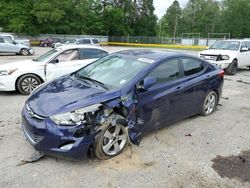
[9, 93]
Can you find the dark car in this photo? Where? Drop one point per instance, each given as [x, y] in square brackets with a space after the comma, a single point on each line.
[117, 99]
[49, 42]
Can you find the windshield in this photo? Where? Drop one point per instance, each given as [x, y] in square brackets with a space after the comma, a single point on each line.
[46, 56]
[226, 45]
[113, 71]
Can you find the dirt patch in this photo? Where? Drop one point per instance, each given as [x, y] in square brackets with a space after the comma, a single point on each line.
[233, 166]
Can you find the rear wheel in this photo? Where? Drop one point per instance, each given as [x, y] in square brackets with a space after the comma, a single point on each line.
[27, 83]
[24, 51]
[209, 104]
[111, 141]
[232, 68]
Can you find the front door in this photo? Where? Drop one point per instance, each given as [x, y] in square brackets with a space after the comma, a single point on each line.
[244, 56]
[164, 102]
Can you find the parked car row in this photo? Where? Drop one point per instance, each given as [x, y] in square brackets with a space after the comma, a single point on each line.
[56, 42]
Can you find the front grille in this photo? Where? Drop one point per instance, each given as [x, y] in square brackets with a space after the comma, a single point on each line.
[209, 57]
[31, 136]
[32, 114]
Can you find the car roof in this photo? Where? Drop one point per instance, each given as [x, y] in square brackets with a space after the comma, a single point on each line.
[65, 47]
[150, 54]
[235, 40]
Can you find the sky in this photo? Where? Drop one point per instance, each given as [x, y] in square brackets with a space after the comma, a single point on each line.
[162, 5]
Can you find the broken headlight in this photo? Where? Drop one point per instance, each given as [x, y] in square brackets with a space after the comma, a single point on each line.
[76, 117]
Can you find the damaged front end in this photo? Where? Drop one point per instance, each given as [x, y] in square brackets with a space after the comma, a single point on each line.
[73, 134]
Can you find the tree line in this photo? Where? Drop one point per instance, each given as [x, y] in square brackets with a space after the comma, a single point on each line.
[207, 16]
[124, 17]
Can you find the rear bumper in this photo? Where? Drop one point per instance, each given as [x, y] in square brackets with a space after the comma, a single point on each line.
[45, 136]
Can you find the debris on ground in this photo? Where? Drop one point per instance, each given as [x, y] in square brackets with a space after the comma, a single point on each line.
[33, 158]
[244, 82]
[188, 134]
[234, 166]
[226, 98]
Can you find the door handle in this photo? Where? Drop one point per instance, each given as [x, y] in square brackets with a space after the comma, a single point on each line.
[179, 88]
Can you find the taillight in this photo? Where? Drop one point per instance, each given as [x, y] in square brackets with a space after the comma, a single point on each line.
[221, 73]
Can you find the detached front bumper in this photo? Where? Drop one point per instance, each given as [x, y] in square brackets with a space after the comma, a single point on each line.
[31, 51]
[7, 83]
[222, 64]
[45, 136]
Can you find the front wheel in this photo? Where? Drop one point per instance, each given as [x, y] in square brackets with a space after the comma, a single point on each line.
[111, 141]
[27, 83]
[209, 104]
[232, 68]
[24, 51]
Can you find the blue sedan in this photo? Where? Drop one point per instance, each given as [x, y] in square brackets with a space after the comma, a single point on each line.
[101, 108]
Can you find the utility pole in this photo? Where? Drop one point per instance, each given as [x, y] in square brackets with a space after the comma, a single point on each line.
[175, 24]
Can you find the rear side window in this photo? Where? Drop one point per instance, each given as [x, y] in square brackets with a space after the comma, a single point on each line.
[167, 71]
[92, 53]
[84, 41]
[192, 66]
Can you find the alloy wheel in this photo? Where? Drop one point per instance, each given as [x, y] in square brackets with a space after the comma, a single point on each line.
[210, 103]
[29, 84]
[114, 140]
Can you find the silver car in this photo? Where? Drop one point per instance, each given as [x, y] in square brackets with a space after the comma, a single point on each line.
[8, 45]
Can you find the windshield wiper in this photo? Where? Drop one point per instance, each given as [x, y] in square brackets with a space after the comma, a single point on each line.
[92, 80]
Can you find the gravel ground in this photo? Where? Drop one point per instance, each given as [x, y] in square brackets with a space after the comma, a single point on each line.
[191, 153]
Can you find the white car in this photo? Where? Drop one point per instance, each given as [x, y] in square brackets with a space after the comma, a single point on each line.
[228, 54]
[25, 76]
[7, 45]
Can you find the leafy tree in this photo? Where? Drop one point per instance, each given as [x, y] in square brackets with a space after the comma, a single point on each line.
[235, 18]
[171, 20]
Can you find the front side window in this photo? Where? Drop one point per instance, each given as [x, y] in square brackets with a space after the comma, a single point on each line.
[1, 40]
[167, 71]
[92, 53]
[68, 55]
[245, 45]
[46, 56]
[95, 41]
[192, 66]
[8, 41]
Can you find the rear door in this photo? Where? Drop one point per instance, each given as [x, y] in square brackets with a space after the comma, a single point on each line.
[196, 77]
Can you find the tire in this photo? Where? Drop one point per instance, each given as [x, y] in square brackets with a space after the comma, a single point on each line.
[24, 52]
[111, 141]
[209, 104]
[232, 68]
[27, 83]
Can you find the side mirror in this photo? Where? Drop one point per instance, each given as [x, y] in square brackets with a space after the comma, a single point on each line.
[54, 61]
[14, 42]
[244, 49]
[146, 83]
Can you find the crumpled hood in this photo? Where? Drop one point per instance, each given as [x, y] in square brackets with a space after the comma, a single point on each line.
[218, 52]
[19, 65]
[67, 94]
